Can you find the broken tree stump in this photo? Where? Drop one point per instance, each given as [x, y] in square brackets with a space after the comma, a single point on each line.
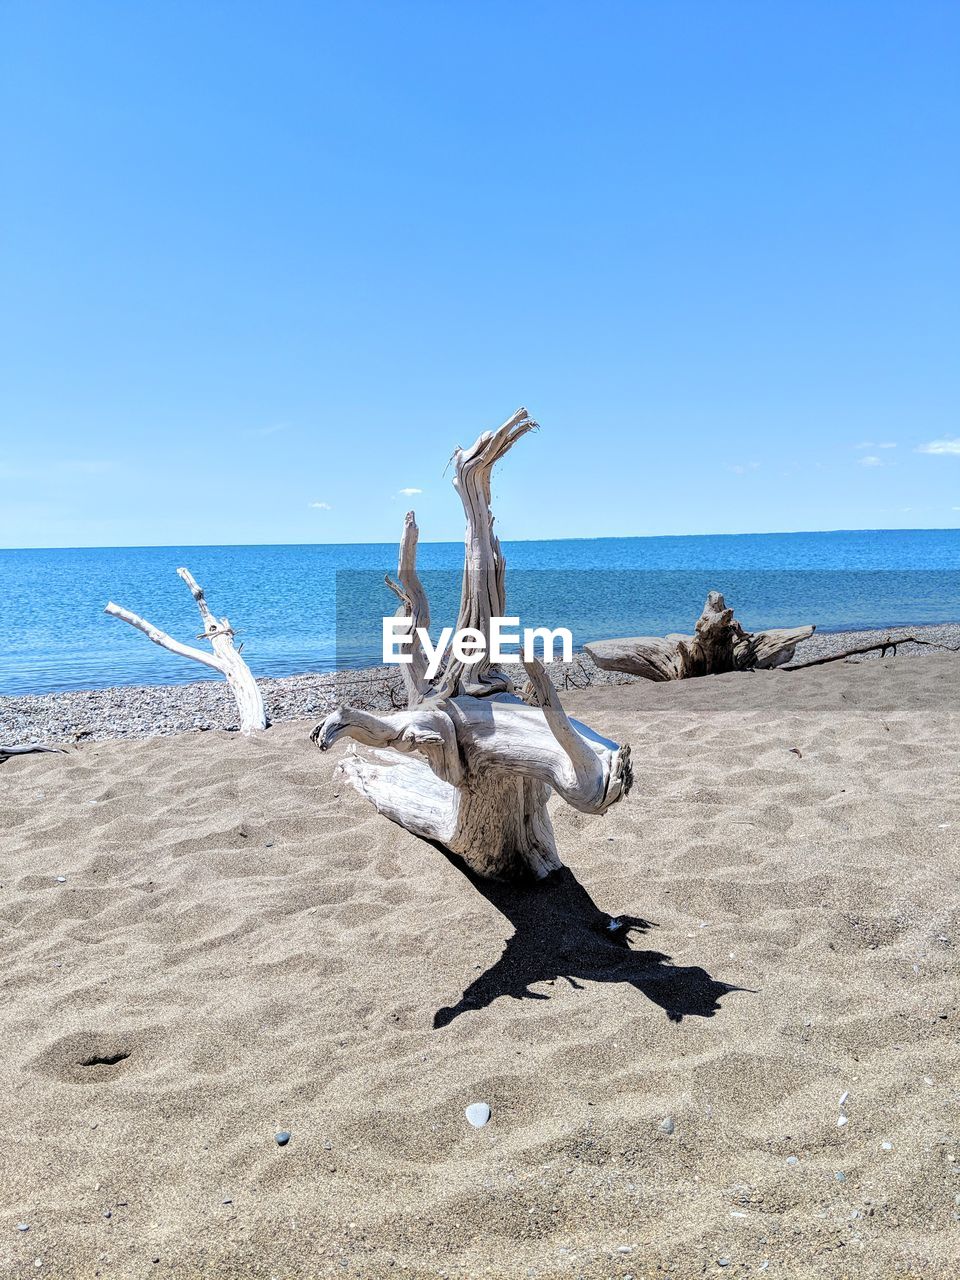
[469, 764]
[719, 644]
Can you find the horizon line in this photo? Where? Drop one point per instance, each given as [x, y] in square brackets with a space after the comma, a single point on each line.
[629, 537]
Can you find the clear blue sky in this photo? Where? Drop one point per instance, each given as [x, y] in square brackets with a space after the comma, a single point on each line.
[257, 257]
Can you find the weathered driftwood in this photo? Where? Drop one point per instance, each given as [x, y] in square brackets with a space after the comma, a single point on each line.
[31, 748]
[718, 644]
[882, 646]
[469, 764]
[225, 658]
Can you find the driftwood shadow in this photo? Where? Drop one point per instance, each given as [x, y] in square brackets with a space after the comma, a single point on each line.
[561, 933]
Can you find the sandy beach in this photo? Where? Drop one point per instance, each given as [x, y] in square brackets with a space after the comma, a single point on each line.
[207, 940]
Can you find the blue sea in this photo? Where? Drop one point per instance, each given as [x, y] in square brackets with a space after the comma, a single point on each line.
[317, 608]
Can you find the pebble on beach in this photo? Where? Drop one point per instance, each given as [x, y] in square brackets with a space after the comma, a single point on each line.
[478, 1113]
[667, 1125]
[283, 1137]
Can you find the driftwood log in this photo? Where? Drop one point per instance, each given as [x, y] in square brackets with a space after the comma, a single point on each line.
[469, 764]
[225, 658]
[718, 644]
[31, 748]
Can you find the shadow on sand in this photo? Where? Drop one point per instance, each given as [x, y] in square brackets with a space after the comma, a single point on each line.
[560, 932]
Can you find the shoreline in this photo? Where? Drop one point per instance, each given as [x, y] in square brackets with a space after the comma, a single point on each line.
[147, 711]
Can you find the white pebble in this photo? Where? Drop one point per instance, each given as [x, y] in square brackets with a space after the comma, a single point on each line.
[843, 1098]
[841, 1121]
[478, 1113]
[886, 1146]
[791, 1160]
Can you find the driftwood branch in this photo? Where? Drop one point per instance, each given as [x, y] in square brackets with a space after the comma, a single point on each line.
[883, 647]
[468, 764]
[32, 748]
[483, 595]
[415, 607]
[225, 658]
[719, 644]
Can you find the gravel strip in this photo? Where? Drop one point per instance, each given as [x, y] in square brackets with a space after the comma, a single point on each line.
[144, 712]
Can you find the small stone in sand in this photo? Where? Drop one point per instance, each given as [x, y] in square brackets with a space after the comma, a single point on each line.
[61, 879]
[840, 1177]
[478, 1113]
[667, 1125]
[283, 1137]
[791, 1160]
[23, 1226]
[843, 1099]
[841, 1121]
[107, 1213]
[886, 1146]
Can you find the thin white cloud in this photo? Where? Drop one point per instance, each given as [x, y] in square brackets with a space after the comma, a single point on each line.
[740, 470]
[946, 445]
[321, 506]
[871, 460]
[408, 493]
[871, 444]
[259, 432]
[62, 467]
[87, 466]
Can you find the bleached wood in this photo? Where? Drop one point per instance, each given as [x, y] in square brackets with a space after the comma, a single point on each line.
[718, 644]
[225, 659]
[469, 764]
[483, 595]
[28, 749]
[415, 607]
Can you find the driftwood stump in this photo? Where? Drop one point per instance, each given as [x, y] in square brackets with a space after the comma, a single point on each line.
[718, 644]
[225, 658]
[469, 764]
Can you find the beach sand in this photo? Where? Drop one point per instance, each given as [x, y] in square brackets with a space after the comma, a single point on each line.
[266, 952]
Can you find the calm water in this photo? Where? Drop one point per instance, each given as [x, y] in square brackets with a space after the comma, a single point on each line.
[313, 608]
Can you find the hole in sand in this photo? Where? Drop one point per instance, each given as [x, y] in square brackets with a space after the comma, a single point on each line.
[106, 1060]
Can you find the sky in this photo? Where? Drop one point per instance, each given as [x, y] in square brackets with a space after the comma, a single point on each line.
[264, 266]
